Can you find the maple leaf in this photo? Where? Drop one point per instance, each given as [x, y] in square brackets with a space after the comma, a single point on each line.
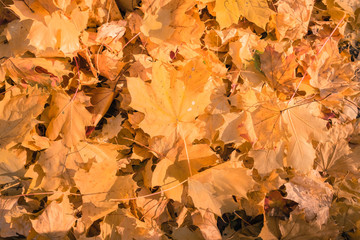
[173, 21]
[213, 188]
[174, 169]
[127, 227]
[174, 98]
[229, 12]
[8, 205]
[68, 117]
[279, 69]
[97, 193]
[312, 195]
[46, 34]
[11, 165]
[56, 220]
[18, 111]
[292, 18]
[266, 160]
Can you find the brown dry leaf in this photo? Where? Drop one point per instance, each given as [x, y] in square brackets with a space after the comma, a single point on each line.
[56, 220]
[68, 117]
[18, 112]
[229, 12]
[174, 98]
[212, 189]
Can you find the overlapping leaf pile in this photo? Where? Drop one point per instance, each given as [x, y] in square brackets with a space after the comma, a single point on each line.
[179, 119]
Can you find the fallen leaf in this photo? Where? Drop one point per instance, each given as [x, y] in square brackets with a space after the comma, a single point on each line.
[174, 98]
[229, 12]
[212, 189]
[55, 221]
[68, 118]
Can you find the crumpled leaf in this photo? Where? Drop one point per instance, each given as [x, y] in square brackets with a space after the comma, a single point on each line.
[313, 195]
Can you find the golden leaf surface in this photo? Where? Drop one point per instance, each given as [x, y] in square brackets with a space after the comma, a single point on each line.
[173, 98]
[229, 12]
[68, 118]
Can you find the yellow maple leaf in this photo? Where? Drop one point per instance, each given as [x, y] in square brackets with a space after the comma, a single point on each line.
[69, 118]
[174, 169]
[229, 12]
[56, 220]
[292, 18]
[18, 112]
[213, 188]
[173, 99]
[278, 68]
